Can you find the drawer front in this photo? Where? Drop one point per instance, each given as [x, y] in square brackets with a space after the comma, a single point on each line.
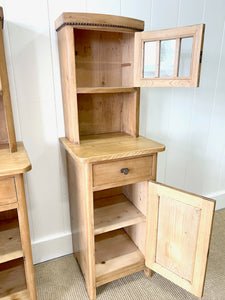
[7, 191]
[123, 172]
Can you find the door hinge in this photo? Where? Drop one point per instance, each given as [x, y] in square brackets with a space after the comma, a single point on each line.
[200, 59]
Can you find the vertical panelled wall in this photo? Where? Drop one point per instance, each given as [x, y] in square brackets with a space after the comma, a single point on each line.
[189, 121]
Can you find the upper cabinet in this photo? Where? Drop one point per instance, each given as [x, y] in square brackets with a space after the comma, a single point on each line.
[104, 60]
[170, 57]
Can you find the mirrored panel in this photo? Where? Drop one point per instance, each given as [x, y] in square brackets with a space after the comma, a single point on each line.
[167, 56]
[149, 59]
[185, 57]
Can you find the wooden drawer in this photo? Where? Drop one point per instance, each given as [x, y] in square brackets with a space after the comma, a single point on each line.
[7, 191]
[110, 174]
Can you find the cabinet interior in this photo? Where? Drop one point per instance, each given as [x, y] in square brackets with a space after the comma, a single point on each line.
[119, 226]
[12, 276]
[107, 113]
[103, 58]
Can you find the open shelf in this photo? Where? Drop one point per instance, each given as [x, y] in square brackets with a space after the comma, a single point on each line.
[115, 212]
[103, 59]
[105, 90]
[12, 280]
[10, 244]
[116, 256]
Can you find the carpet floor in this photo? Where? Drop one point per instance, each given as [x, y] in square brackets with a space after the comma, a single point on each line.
[61, 279]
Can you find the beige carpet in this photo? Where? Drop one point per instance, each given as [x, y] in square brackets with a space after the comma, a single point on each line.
[60, 279]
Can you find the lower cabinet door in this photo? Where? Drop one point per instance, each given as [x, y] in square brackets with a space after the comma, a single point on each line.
[178, 234]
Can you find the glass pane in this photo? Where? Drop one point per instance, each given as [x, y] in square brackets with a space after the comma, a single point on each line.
[149, 59]
[185, 57]
[167, 56]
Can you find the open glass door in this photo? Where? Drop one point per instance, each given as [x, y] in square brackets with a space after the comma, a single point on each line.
[168, 58]
[178, 234]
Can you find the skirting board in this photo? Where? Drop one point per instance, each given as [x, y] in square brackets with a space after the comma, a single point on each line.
[220, 199]
[51, 248]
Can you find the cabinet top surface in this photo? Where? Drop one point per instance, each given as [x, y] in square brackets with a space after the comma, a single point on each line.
[14, 163]
[95, 21]
[108, 147]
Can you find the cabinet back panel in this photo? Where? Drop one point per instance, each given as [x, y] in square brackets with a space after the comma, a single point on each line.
[103, 58]
[3, 129]
[99, 113]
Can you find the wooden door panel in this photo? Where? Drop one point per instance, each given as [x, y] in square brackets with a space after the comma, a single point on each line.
[178, 235]
[168, 58]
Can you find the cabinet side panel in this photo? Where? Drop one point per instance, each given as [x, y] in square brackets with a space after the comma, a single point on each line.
[6, 98]
[3, 129]
[68, 82]
[82, 224]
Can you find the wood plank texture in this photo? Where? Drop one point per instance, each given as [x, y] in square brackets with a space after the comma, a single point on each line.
[116, 256]
[7, 191]
[12, 279]
[9, 124]
[82, 220]
[105, 90]
[123, 23]
[25, 237]
[10, 243]
[115, 212]
[68, 82]
[178, 235]
[14, 163]
[109, 174]
[111, 147]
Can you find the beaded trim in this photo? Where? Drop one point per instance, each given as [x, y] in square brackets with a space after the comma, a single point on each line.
[100, 25]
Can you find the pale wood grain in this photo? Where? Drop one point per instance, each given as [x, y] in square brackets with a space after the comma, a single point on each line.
[14, 163]
[82, 220]
[105, 90]
[25, 237]
[111, 147]
[11, 138]
[7, 191]
[12, 279]
[178, 235]
[115, 212]
[109, 173]
[68, 81]
[123, 23]
[10, 243]
[116, 256]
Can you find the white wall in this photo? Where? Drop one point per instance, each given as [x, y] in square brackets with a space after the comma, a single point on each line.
[189, 121]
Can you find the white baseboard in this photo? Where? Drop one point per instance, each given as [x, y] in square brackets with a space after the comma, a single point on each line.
[51, 248]
[220, 199]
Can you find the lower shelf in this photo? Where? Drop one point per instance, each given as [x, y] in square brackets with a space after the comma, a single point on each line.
[12, 280]
[116, 256]
[10, 244]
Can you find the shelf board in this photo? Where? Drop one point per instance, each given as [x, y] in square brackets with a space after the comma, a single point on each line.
[10, 244]
[116, 256]
[115, 212]
[105, 90]
[12, 279]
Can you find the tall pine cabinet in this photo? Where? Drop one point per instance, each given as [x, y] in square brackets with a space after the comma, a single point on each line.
[122, 221]
[16, 265]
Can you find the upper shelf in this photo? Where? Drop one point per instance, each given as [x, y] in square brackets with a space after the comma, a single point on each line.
[100, 21]
[102, 147]
[105, 90]
[14, 163]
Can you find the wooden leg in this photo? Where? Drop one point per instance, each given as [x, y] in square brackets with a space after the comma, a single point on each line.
[25, 237]
[148, 272]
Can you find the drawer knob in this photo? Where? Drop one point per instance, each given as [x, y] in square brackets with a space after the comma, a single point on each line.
[125, 171]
